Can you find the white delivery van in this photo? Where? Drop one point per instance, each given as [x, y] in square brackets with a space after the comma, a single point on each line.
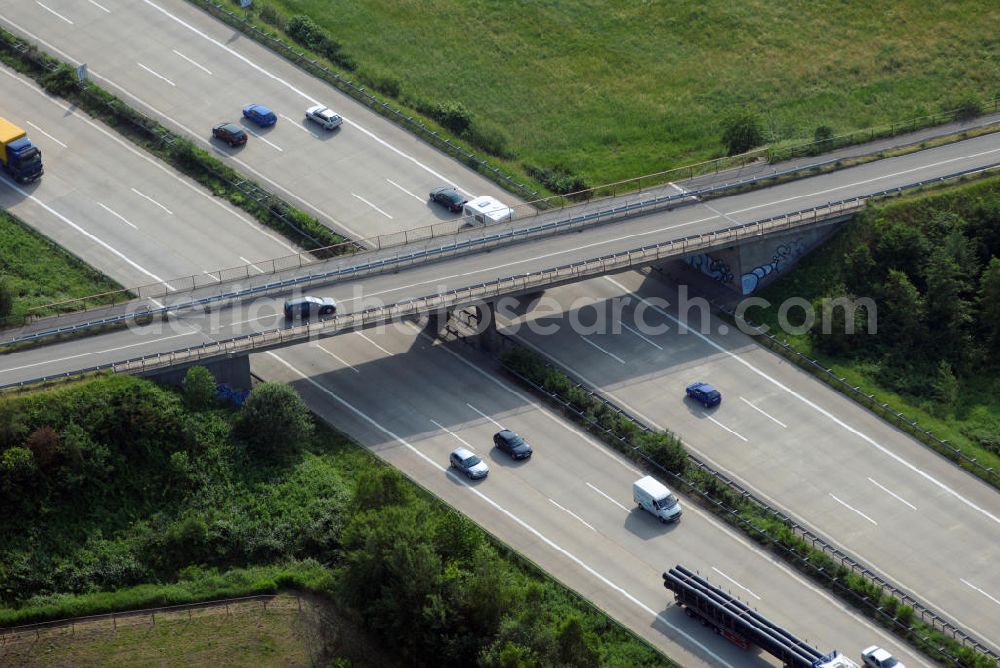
[653, 496]
[485, 210]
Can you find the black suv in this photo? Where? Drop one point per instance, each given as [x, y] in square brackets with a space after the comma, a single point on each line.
[230, 133]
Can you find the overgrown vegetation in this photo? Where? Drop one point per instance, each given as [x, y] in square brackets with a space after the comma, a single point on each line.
[27, 284]
[121, 494]
[60, 79]
[930, 264]
[580, 87]
[665, 450]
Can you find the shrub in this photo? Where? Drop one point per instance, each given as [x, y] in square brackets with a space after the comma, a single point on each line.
[742, 132]
[44, 446]
[452, 115]
[968, 109]
[60, 81]
[823, 138]
[270, 15]
[304, 30]
[17, 468]
[274, 421]
[558, 179]
[665, 449]
[198, 387]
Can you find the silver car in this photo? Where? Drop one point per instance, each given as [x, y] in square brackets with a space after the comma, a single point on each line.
[468, 463]
[325, 116]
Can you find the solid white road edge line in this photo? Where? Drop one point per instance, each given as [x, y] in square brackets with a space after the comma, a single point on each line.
[513, 517]
[926, 476]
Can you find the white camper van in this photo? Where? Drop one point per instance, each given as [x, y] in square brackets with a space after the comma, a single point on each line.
[653, 496]
[486, 209]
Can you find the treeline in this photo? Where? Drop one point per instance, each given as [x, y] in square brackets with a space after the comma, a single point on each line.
[118, 483]
[931, 266]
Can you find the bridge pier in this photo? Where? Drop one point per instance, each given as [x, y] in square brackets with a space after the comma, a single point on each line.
[233, 371]
[751, 265]
[487, 337]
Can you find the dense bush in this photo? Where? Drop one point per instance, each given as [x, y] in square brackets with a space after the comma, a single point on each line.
[558, 179]
[304, 30]
[274, 422]
[741, 131]
[130, 500]
[6, 297]
[198, 388]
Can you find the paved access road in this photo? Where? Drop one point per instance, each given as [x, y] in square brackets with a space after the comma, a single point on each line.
[569, 508]
[535, 255]
[191, 72]
[115, 206]
[875, 491]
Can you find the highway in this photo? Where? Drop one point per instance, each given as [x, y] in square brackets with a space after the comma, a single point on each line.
[115, 206]
[569, 508]
[534, 256]
[798, 444]
[434, 384]
[191, 72]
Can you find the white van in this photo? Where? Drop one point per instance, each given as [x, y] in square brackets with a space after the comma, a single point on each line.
[653, 496]
[486, 209]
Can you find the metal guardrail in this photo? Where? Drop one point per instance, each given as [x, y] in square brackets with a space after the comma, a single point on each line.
[927, 615]
[243, 345]
[510, 231]
[491, 238]
[882, 409]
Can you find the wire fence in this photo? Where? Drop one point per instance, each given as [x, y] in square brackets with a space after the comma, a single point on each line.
[873, 604]
[71, 625]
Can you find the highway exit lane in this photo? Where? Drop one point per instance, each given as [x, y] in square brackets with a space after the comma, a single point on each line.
[569, 508]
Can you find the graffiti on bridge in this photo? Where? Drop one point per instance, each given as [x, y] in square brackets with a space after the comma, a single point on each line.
[784, 255]
[711, 267]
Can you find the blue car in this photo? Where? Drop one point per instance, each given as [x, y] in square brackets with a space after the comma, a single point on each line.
[259, 114]
[704, 394]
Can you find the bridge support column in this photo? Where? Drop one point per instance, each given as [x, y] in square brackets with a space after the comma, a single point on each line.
[487, 336]
[436, 321]
[233, 371]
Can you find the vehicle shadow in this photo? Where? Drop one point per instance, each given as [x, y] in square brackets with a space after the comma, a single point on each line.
[647, 527]
[694, 636]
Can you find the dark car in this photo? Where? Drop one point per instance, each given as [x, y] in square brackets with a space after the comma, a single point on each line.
[259, 114]
[450, 198]
[230, 133]
[512, 444]
[704, 394]
[306, 307]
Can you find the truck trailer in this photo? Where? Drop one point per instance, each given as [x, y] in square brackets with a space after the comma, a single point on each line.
[741, 625]
[20, 158]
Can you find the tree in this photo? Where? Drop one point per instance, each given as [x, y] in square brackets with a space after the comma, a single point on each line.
[988, 300]
[17, 468]
[900, 324]
[576, 646]
[741, 132]
[6, 298]
[947, 313]
[899, 246]
[378, 488]
[823, 138]
[665, 449]
[274, 420]
[44, 446]
[198, 387]
[861, 274]
[945, 390]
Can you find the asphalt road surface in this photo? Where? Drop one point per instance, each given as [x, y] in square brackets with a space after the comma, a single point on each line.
[911, 514]
[191, 328]
[191, 72]
[115, 206]
[569, 508]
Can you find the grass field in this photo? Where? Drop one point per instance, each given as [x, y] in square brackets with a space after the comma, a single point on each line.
[288, 632]
[39, 272]
[612, 90]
